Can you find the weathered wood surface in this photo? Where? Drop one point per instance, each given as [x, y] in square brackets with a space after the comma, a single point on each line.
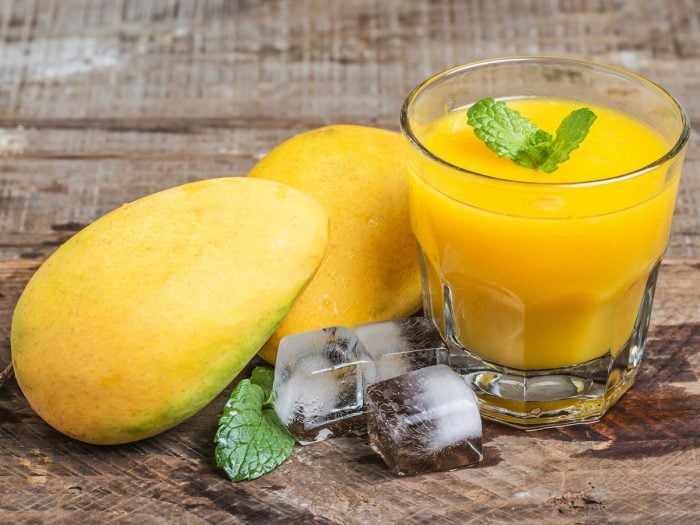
[102, 102]
[106, 101]
[639, 464]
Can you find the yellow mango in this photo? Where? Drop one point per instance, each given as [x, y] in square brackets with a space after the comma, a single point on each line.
[371, 268]
[142, 318]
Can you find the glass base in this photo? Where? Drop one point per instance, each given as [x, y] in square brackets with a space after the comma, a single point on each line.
[545, 398]
[531, 399]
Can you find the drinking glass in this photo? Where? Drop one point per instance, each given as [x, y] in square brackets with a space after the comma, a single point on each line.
[542, 290]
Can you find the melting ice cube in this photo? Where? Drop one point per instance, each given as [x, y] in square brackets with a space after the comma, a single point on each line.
[399, 346]
[424, 420]
[321, 376]
[319, 385]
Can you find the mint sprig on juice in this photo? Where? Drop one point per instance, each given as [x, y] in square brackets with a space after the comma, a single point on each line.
[541, 195]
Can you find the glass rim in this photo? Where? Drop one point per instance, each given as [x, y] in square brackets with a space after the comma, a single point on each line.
[672, 152]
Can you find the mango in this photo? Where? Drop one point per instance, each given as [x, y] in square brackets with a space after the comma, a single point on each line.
[142, 318]
[371, 271]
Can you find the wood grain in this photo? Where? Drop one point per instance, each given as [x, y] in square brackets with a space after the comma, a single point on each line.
[639, 462]
[105, 101]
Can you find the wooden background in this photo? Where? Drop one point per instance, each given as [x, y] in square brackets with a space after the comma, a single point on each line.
[102, 102]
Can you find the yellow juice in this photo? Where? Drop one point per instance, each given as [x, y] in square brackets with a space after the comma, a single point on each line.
[541, 270]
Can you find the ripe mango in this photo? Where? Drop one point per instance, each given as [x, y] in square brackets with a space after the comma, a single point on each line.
[371, 271]
[143, 317]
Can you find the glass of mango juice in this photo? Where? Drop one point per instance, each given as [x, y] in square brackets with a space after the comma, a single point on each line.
[541, 283]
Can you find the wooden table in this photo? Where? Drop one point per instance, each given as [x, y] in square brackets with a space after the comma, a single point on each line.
[103, 102]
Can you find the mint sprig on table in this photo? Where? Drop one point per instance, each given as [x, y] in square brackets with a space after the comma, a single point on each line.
[511, 135]
[251, 440]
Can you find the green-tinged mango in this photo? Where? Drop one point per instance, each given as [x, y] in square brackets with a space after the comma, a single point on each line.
[142, 318]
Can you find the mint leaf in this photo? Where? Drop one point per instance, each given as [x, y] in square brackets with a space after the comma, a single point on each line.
[511, 135]
[263, 376]
[538, 149]
[251, 440]
[508, 133]
[570, 133]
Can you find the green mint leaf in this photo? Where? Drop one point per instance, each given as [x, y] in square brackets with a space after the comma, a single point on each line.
[509, 134]
[571, 132]
[536, 152]
[251, 441]
[263, 376]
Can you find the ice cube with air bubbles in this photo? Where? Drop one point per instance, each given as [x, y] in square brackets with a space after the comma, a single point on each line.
[321, 376]
[319, 384]
[425, 420]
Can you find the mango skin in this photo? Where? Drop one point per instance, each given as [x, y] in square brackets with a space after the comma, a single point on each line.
[142, 318]
[371, 271]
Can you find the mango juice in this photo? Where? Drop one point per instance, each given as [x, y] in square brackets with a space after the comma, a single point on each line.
[534, 270]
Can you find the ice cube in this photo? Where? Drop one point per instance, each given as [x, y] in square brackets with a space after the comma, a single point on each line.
[399, 346]
[423, 421]
[321, 376]
[319, 384]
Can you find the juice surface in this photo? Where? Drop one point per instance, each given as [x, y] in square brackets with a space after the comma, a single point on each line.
[537, 276]
[616, 144]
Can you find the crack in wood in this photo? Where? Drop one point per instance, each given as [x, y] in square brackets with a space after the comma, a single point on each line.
[179, 125]
[6, 374]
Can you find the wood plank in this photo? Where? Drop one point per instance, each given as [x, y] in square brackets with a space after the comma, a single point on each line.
[640, 460]
[285, 59]
[48, 193]
[141, 95]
